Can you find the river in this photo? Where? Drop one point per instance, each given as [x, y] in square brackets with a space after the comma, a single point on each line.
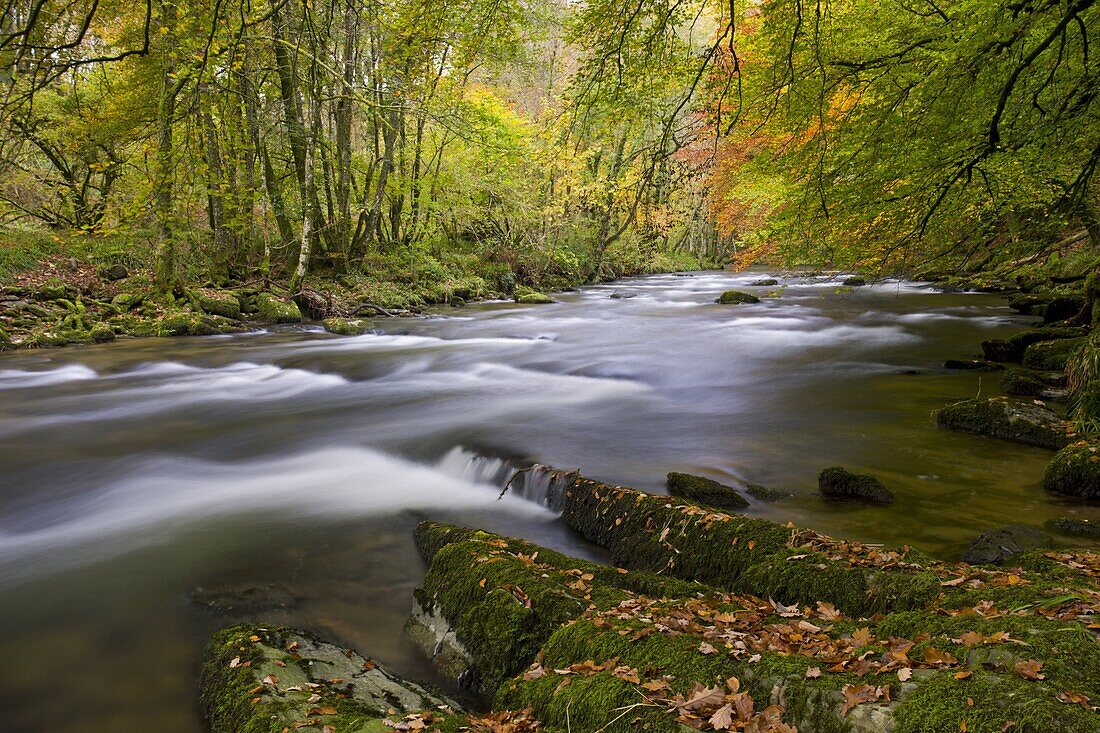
[138, 471]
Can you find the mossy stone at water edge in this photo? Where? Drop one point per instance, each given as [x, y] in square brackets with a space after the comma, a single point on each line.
[1075, 471]
[525, 296]
[1051, 356]
[1012, 348]
[736, 297]
[705, 491]
[258, 679]
[973, 365]
[347, 326]
[1000, 417]
[855, 281]
[839, 483]
[220, 304]
[271, 309]
[1029, 383]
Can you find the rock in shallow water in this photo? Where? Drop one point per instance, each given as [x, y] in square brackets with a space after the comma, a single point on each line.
[839, 483]
[1075, 471]
[736, 297]
[999, 545]
[1007, 419]
[705, 491]
[1075, 527]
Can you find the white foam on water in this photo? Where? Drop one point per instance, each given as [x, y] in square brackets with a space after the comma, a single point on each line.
[164, 497]
[20, 379]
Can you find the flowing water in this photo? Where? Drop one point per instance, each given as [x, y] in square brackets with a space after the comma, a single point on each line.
[298, 462]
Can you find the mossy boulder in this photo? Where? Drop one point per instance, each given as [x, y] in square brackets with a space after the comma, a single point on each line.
[766, 493]
[54, 291]
[764, 282]
[187, 323]
[272, 309]
[1075, 471]
[102, 333]
[855, 281]
[531, 297]
[347, 326]
[258, 679]
[127, 301]
[736, 297]
[837, 482]
[1012, 348]
[1001, 417]
[1075, 527]
[999, 545]
[705, 491]
[225, 305]
[1051, 356]
[5, 339]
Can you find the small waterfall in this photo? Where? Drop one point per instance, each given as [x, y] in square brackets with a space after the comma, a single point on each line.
[537, 483]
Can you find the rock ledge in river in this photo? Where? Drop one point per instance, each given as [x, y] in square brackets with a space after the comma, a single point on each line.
[705, 491]
[736, 297]
[1000, 417]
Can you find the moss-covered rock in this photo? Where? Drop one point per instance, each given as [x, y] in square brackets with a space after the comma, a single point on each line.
[488, 603]
[855, 281]
[221, 304]
[999, 545]
[186, 323]
[271, 679]
[1075, 471]
[705, 491]
[837, 482]
[272, 309]
[764, 282]
[127, 301]
[766, 493]
[1000, 417]
[1012, 348]
[347, 326]
[1051, 356]
[5, 339]
[736, 297]
[525, 296]
[674, 537]
[1061, 307]
[102, 333]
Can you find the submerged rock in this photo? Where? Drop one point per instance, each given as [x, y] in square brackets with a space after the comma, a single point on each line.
[257, 678]
[1075, 471]
[622, 296]
[276, 310]
[839, 483]
[973, 365]
[1051, 355]
[347, 326]
[705, 491]
[1000, 417]
[764, 493]
[765, 282]
[1075, 526]
[244, 598]
[999, 545]
[736, 297]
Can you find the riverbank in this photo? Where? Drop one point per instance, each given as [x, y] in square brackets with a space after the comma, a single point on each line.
[704, 621]
[82, 290]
